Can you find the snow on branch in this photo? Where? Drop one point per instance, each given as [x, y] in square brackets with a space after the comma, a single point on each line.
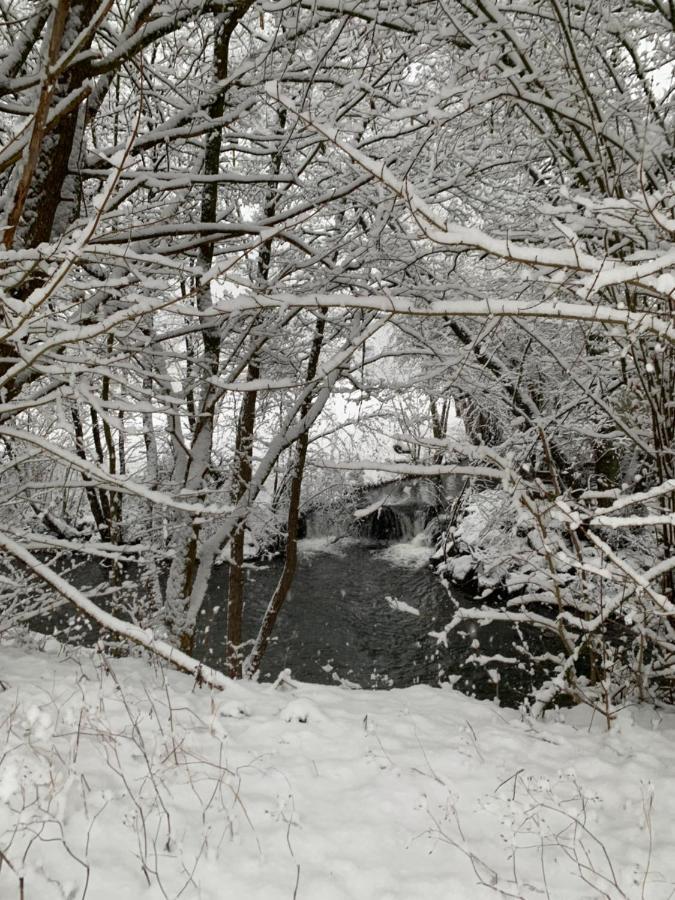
[143, 637]
[99, 476]
[375, 465]
[591, 273]
[409, 306]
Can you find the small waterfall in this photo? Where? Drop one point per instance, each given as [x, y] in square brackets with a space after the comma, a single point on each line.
[387, 523]
[391, 523]
[396, 511]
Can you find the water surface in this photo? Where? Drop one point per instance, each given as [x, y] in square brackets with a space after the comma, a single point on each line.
[349, 619]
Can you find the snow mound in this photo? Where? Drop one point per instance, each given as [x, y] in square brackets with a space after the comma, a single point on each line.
[302, 710]
[234, 709]
[460, 567]
[129, 787]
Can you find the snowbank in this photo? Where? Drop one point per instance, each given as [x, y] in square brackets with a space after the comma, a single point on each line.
[120, 780]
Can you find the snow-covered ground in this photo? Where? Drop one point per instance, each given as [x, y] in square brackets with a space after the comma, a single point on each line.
[122, 780]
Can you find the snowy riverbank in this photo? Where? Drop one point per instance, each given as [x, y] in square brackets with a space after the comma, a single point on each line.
[121, 780]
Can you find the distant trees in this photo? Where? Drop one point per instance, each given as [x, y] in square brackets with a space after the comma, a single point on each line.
[148, 182]
[208, 211]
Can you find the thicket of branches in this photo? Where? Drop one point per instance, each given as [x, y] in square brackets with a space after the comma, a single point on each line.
[209, 209]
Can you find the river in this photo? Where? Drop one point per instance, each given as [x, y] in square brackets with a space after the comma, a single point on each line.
[359, 614]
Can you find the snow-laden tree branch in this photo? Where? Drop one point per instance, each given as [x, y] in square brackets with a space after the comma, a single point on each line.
[408, 306]
[590, 274]
[143, 637]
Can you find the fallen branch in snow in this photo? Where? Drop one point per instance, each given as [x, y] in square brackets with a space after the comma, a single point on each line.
[141, 636]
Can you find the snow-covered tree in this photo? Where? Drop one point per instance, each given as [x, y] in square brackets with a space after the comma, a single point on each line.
[208, 210]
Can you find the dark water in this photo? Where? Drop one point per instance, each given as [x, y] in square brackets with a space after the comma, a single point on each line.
[337, 625]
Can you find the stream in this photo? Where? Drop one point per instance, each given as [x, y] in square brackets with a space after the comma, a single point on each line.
[356, 611]
[359, 614]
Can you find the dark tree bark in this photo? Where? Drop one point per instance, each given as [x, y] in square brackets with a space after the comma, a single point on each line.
[291, 554]
[242, 479]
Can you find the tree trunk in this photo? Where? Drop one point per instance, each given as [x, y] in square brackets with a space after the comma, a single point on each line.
[243, 469]
[186, 542]
[254, 659]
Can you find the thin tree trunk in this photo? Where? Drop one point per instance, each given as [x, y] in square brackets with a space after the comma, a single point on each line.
[186, 543]
[150, 577]
[276, 603]
[244, 464]
[94, 496]
[243, 470]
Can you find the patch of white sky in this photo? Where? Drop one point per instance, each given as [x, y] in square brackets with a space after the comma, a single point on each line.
[371, 422]
[357, 422]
